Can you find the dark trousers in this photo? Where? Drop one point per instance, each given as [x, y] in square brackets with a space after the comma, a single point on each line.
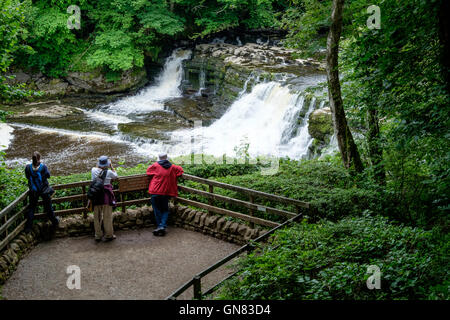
[34, 198]
[160, 206]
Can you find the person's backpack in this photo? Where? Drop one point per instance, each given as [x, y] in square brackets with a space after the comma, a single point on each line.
[36, 178]
[96, 189]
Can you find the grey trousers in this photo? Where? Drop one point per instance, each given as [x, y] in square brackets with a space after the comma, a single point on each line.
[103, 214]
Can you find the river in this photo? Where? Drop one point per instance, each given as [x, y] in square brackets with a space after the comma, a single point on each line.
[269, 119]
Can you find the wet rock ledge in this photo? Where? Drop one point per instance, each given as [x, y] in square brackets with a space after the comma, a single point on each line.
[80, 82]
[228, 69]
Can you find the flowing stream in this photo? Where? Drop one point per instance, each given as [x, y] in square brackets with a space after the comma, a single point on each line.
[262, 122]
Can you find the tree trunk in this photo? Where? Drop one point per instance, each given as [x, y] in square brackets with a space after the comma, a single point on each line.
[347, 146]
[375, 150]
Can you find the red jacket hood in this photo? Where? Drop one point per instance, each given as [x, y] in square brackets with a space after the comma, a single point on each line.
[164, 181]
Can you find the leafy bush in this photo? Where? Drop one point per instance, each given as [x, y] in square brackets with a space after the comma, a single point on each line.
[12, 182]
[118, 35]
[330, 260]
[332, 192]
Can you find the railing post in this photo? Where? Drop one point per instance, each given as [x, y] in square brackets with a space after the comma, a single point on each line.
[210, 201]
[6, 230]
[123, 205]
[197, 288]
[83, 189]
[252, 212]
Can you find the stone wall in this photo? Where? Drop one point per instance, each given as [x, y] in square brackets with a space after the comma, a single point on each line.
[75, 225]
[220, 227]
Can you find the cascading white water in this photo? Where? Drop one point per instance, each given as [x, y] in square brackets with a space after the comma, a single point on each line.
[201, 80]
[5, 135]
[253, 77]
[260, 119]
[298, 146]
[167, 86]
[331, 148]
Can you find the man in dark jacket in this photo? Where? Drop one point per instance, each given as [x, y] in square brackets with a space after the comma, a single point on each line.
[163, 185]
[37, 174]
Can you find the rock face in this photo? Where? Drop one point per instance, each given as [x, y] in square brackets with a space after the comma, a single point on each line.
[252, 55]
[228, 69]
[96, 81]
[320, 124]
[53, 87]
[81, 82]
[54, 111]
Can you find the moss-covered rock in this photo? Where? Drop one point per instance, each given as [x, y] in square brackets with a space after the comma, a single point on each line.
[320, 124]
[97, 82]
[157, 125]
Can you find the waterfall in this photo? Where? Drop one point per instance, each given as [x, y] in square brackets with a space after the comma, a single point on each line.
[152, 98]
[331, 148]
[298, 146]
[201, 80]
[5, 135]
[263, 120]
[252, 77]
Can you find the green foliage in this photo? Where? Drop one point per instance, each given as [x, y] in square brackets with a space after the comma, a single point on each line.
[307, 23]
[115, 49]
[127, 30]
[396, 71]
[330, 260]
[209, 17]
[12, 182]
[118, 35]
[12, 32]
[53, 43]
[332, 192]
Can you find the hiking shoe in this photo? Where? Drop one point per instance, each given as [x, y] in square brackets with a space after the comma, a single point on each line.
[157, 231]
[110, 239]
[98, 239]
[161, 232]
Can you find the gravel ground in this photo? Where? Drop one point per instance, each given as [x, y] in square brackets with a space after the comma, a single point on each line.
[137, 265]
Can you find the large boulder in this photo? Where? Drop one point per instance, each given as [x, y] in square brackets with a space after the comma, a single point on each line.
[52, 111]
[320, 124]
[96, 82]
[78, 82]
[52, 87]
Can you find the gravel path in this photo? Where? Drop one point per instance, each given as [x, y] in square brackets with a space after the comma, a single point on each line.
[137, 265]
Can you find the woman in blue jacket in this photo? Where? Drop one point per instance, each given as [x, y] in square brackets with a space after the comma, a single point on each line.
[37, 174]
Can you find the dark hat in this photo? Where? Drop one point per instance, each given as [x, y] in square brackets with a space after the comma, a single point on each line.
[103, 161]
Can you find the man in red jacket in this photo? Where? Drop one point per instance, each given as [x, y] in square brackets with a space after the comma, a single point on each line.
[163, 185]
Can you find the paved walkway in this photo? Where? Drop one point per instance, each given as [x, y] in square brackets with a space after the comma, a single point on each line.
[137, 265]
